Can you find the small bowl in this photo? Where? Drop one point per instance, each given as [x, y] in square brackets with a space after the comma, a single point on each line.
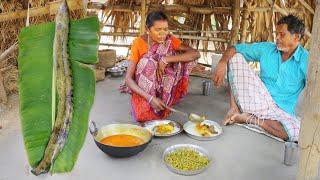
[116, 71]
[196, 148]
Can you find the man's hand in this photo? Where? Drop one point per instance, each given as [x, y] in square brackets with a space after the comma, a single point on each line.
[219, 74]
[160, 69]
[157, 104]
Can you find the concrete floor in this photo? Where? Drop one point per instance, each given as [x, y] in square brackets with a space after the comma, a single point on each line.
[239, 154]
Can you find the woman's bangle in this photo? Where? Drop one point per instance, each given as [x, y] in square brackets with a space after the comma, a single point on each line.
[164, 61]
[149, 101]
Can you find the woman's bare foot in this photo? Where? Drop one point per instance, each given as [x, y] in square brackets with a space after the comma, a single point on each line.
[227, 119]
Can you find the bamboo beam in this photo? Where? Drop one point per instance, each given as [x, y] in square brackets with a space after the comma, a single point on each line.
[128, 46]
[143, 17]
[51, 8]
[309, 139]
[164, 7]
[115, 45]
[265, 9]
[235, 22]
[205, 38]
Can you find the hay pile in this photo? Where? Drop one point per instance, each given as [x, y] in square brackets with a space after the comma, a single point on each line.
[9, 31]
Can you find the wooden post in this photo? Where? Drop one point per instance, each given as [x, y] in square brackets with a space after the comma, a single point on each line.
[143, 17]
[235, 22]
[244, 25]
[309, 139]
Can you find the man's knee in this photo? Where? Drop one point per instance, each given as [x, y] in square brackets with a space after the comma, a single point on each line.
[236, 58]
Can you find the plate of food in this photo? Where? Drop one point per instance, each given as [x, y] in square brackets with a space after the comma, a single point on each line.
[163, 128]
[186, 159]
[206, 130]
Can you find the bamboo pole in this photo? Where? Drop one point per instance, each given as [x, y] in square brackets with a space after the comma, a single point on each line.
[51, 8]
[7, 52]
[165, 7]
[309, 139]
[244, 25]
[143, 17]
[235, 22]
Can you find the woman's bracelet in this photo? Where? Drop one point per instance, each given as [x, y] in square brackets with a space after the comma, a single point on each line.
[149, 101]
[164, 61]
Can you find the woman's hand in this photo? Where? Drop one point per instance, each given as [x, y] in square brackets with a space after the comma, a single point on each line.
[157, 104]
[161, 67]
[219, 73]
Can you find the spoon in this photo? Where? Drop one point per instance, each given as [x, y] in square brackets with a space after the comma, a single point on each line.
[191, 116]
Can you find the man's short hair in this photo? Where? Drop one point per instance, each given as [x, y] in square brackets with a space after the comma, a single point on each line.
[294, 24]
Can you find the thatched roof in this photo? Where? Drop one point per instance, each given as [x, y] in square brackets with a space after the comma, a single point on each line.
[198, 22]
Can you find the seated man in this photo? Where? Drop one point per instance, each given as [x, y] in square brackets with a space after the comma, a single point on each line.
[269, 101]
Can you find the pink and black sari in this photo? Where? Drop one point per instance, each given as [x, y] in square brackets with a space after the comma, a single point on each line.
[170, 89]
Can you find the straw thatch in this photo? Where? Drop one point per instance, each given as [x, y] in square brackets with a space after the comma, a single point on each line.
[199, 28]
[9, 31]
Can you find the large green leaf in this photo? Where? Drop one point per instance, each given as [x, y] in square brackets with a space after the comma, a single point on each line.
[35, 87]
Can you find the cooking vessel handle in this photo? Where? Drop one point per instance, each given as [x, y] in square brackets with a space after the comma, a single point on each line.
[93, 128]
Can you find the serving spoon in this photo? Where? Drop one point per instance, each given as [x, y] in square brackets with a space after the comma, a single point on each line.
[195, 118]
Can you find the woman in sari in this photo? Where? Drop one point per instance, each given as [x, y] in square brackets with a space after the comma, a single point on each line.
[158, 75]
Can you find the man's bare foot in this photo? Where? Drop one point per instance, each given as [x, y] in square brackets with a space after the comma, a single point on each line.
[240, 118]
[227, 119]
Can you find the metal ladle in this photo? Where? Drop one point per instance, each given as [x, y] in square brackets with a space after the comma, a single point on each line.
[191, 116]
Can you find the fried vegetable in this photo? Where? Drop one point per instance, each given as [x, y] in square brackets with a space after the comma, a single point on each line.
[187, 160]
[164, 128]
[205, 130]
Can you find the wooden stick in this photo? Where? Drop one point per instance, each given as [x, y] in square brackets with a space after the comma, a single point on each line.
[51, 8]
[7, 52]
[235, 22]
[143, 17]
[309, 138]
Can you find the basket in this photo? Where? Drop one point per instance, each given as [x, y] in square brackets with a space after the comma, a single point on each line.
[107, 58]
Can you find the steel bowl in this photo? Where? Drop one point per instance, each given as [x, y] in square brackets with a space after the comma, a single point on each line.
[116, 71]
[114, 129]
[196, 148]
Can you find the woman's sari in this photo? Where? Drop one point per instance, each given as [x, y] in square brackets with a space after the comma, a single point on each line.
[170, 89]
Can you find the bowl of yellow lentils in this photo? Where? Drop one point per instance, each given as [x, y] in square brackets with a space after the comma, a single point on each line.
[186, 159]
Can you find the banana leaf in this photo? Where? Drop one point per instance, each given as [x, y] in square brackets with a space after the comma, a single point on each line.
[35, 88]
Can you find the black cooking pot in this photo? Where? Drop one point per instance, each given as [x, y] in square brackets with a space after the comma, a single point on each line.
[115, 129]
